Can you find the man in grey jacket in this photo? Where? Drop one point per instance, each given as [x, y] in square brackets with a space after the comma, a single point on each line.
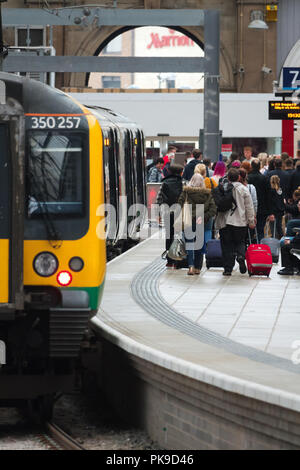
[233, 225]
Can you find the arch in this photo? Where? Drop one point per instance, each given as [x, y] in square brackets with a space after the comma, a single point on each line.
[292, 60]
[95, 40]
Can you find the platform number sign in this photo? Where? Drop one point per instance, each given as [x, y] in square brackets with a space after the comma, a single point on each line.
[291, 78]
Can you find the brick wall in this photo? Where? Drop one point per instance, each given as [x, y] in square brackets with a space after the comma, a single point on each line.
[182, 413]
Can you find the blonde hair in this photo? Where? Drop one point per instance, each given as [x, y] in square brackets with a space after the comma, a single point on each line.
[263, 158]
[197, 181]
[275, 182]
[200, 169]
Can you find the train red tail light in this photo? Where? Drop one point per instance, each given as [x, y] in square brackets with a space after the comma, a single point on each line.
[64, 278]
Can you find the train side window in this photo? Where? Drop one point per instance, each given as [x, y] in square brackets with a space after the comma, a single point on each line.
[112, 170]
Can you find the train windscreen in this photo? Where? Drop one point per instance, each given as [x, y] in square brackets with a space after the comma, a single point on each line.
[55, 173]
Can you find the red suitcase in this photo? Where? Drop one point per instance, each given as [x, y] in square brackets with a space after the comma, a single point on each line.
[259, 260]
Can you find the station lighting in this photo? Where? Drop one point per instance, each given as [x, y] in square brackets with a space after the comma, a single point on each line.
[257, 20]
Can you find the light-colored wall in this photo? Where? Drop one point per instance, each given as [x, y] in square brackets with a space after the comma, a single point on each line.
[181, 114]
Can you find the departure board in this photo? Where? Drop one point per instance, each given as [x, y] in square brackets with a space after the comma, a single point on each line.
[284, 110]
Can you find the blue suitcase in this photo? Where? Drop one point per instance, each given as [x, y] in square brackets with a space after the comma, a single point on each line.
[214, 258]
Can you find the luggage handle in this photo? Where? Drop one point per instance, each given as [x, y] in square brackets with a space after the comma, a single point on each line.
[256, 234]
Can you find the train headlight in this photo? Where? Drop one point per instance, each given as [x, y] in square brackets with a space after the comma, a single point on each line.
[76, 264]
[45, 264]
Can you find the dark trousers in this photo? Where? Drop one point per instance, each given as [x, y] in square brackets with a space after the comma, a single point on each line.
[232, 244]
[260, 226]
[288, 260]
[278, 233]
[170, 231]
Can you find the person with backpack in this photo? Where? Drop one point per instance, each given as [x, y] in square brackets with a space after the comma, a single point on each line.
[168, 195]
[235, 214]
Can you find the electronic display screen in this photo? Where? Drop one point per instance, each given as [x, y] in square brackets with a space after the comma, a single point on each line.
[284, 110]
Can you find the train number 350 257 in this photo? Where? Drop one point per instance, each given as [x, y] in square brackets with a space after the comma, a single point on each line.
[55, 122]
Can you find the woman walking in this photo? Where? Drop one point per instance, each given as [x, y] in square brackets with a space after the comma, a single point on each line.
[195, 194]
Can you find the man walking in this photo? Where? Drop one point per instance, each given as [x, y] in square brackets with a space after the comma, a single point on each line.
[233, 223]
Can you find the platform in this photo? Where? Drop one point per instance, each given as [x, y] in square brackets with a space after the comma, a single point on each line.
[235, 334]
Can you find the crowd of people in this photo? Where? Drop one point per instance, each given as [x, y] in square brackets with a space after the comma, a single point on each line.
[264, 192]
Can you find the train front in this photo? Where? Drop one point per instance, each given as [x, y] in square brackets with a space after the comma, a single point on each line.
[52, 241]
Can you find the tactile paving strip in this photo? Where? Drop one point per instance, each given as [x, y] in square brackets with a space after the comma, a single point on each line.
[145, 291]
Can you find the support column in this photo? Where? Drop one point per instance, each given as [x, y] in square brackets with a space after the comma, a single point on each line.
[288, 137]
[211, 147]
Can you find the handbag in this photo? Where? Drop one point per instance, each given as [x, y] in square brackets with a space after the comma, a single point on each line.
[185, 217]
[177, 249]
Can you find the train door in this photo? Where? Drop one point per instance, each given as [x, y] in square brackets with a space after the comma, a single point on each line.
[140, 167]
[111, 184]
[12, 144]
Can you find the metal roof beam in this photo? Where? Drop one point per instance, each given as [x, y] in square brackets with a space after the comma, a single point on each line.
[85, 16]
[23, 63]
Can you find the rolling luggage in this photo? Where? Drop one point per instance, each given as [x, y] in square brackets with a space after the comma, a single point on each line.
[259, 260]
[274, 245]
[214, 257]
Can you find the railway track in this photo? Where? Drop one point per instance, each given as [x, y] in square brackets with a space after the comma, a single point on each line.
[57, 439]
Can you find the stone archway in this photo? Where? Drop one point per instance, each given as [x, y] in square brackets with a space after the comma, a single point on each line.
[94, 41]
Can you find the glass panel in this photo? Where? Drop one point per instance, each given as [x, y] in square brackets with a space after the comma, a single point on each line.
[54, 173]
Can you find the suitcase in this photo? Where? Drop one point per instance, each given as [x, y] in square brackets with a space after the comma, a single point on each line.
[259, 260]
[214, 258]
[274, 245]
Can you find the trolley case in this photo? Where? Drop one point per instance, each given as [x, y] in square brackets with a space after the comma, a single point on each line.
[214, 258]
[259, 260]
[274, 245]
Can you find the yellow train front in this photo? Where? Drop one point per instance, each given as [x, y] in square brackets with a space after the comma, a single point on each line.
[52, 233]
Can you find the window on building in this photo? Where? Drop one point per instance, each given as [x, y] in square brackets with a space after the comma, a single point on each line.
[113, 46]
[36, 37]
[111, 82]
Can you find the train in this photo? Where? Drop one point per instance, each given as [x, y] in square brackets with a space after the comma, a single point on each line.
[68, 174]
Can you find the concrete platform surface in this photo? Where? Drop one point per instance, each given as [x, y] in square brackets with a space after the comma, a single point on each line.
[235, 333]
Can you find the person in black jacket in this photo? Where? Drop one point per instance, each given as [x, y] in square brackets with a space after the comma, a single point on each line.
[295, 179]
[288, 260]
[262, 189]
[276, 204]
[168, 195]
[283, 176]
[190, 167]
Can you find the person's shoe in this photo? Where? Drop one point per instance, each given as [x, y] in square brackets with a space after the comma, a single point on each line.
[227, 273]
[190, 271]
[286, 272]
[197, 271]
[242, 264]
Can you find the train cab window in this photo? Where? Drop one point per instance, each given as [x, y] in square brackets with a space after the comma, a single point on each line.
[55, 173]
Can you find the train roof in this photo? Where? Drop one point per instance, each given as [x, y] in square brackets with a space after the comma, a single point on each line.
[36, 97]
[107, 116]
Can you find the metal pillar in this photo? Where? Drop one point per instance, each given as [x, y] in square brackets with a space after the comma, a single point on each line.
[211, 134]
[86, 16]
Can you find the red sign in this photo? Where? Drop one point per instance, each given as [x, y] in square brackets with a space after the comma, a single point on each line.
[172, 40]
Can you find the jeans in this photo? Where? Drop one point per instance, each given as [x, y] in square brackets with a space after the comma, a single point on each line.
[194, 257]
[232, 244]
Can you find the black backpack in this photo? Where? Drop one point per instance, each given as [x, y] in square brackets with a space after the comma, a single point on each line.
[223, 197]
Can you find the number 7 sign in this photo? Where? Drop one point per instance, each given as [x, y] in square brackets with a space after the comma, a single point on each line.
[291, 78]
